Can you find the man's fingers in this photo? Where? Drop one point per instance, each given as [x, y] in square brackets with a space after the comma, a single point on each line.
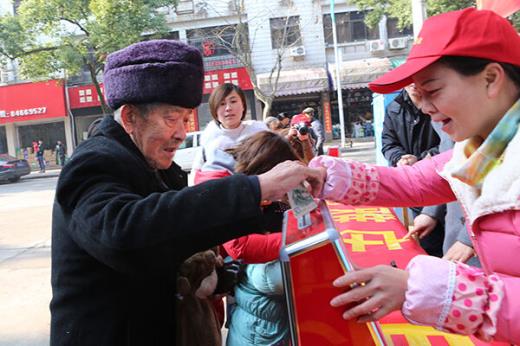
[316, 178]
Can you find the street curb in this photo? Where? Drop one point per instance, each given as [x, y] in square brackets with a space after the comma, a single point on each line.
[40, 176]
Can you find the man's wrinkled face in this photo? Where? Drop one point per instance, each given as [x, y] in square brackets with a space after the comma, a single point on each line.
[159, 133]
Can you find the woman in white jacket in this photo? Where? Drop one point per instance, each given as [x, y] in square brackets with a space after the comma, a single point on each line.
[228, 107]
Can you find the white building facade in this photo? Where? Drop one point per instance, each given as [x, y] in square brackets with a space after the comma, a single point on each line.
[308, 64]
[306, 77]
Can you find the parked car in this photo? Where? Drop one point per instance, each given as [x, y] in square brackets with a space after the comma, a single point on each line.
[11, 168]
[186, 152]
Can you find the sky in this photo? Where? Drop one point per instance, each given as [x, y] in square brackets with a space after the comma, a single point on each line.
[5, 6]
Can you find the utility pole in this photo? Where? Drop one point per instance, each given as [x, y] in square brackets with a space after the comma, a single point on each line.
[338, 76]
[418, 15]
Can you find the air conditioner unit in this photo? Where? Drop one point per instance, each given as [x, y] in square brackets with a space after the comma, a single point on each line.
[376, 45]
[297, 51]
[184, 7]
[397, 43]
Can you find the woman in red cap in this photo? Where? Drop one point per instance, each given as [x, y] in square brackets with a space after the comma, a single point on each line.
[466, 64]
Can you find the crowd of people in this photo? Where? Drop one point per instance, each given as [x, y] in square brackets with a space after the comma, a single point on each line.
[138, 257]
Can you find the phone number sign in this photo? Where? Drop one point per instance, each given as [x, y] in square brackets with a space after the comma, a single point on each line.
[32, 101]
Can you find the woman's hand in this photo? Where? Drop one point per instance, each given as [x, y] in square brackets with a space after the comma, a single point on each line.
[338, 176]
[377, 291]
[459, 252]
[407, 160]
[422, 226]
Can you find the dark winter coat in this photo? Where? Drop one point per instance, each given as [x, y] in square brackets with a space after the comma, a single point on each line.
[407, 130]
[120, 231]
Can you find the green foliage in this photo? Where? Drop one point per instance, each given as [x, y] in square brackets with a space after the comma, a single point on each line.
[402, 9]
[51, 35]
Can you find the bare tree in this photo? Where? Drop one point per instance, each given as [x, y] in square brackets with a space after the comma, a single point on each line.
[236, 40]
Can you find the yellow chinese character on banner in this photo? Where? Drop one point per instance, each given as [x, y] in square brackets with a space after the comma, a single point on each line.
[376, 214]
[359, 242]
[419, 335]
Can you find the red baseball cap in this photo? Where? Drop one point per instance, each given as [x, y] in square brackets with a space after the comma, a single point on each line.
[469, 32]
[300, 118]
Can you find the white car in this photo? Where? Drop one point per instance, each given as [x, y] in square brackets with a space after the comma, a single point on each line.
[186, 153]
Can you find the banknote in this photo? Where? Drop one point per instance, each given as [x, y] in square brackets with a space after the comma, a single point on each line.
[301, 201]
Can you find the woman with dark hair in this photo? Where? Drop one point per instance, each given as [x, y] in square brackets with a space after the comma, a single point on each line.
[466, 65]
[228, 107]
[260, 313]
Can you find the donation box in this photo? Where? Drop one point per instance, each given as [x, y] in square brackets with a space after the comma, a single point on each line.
[313, 255]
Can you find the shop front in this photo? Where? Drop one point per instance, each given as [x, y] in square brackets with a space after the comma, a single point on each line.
[357, 98]
[85, 107]
[299, 89]
[32, 112]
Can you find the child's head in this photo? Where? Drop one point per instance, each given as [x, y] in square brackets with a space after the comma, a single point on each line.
[465, 65]
[260, 152]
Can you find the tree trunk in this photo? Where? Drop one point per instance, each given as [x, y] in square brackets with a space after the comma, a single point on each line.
[267, 107]
[104, 107]
[267, 100]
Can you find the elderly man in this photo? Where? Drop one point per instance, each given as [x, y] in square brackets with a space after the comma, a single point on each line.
[122, 219]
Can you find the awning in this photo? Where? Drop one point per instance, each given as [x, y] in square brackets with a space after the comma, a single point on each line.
[357, 73]
[293, 82]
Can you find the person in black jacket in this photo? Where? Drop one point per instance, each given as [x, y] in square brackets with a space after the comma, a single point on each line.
[408, 137]
[123, 220]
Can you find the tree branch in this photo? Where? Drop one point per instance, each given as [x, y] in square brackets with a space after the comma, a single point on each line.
[77, 24]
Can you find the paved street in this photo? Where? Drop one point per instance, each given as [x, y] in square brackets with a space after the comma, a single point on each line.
[25, 239]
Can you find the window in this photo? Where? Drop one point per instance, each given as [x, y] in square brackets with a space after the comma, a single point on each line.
[212, 41]
[171, 35]
[394, 31]
[350, 27]
[285, 31]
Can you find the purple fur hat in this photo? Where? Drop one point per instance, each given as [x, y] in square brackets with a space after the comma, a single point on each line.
[154, 71]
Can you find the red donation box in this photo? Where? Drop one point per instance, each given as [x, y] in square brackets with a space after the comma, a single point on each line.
[313, 254]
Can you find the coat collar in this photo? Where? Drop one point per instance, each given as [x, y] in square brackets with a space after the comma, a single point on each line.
[500, 189]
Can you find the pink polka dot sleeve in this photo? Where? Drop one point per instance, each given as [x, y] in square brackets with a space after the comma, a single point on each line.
[475, 303]
[452, 297]
[365, 184]
[347, 182]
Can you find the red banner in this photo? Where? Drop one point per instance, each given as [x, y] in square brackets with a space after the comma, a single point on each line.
[32, 101]
[374, 235]
[504, 8]
[84, 96]
[237, 76]
[327, 119]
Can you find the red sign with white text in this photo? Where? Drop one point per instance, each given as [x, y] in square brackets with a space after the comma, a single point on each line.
[32, 101]
[84, 96]
[237, 76]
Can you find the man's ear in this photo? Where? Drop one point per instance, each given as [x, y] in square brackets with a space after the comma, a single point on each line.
[129, 116]
[495, 78]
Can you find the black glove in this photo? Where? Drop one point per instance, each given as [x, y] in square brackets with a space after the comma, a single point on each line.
[228, 276]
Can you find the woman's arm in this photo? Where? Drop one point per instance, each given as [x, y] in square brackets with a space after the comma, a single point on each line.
[356, 183]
